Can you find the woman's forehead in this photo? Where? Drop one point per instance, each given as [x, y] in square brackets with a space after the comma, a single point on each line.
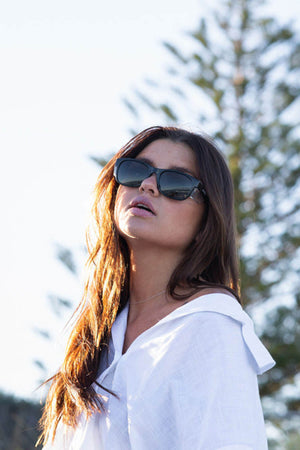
[166, 154]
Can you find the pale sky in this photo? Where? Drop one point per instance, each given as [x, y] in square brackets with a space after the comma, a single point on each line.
[65, 65]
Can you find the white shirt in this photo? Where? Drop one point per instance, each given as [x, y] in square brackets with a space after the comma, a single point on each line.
[187, 383]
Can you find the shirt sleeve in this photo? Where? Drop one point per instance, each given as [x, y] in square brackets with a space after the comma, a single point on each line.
[218, 397]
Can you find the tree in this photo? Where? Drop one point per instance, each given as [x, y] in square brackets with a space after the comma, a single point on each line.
[18, 423]
[59, 305]
[241, 80]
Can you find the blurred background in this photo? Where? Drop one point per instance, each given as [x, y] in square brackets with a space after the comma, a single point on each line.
[77, 79]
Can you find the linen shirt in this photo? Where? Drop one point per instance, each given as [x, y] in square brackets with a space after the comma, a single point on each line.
[187, 383]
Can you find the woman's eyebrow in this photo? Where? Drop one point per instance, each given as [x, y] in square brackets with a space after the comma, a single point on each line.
[181, 169]
[146, 160]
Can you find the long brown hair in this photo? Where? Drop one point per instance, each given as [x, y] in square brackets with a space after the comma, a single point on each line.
[209, 261]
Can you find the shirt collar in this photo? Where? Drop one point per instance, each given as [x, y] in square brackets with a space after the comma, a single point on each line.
[218, 303]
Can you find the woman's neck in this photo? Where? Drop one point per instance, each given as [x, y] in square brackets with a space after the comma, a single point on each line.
[150, 273]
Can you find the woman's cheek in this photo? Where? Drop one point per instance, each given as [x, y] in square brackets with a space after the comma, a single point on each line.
[118, 210]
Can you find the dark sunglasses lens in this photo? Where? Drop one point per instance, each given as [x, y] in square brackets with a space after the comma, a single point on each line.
[132, 173]
[175, 185]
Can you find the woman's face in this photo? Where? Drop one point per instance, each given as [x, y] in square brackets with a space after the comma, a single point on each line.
[173, 224]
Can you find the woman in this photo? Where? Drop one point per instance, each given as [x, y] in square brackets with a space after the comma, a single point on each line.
[161, 355]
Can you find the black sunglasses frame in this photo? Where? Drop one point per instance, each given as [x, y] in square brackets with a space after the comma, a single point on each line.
[195, 184]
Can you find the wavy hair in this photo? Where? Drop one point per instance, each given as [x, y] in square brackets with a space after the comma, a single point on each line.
[209, 261]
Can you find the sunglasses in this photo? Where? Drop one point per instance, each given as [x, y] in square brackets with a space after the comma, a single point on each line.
[171, 183]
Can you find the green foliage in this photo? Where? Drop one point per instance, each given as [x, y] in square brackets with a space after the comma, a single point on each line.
[103, 161]
[59, 304]
[293, 442]
[18, 423]
[66, 257]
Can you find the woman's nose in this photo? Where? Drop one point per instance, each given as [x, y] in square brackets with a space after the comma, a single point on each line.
[149, 185]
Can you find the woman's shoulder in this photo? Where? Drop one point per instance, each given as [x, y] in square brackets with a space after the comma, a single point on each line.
[216, 324]
[210, 290]
[212, 315]
[212, 320]
[215, 301]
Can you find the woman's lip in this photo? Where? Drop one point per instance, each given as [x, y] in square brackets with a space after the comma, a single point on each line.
[142, 201]
[141, 212]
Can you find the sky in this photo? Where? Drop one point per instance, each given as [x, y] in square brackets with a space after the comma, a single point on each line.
[65, 67]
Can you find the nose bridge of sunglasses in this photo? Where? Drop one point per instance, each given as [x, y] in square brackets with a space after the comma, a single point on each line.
[151, 177]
